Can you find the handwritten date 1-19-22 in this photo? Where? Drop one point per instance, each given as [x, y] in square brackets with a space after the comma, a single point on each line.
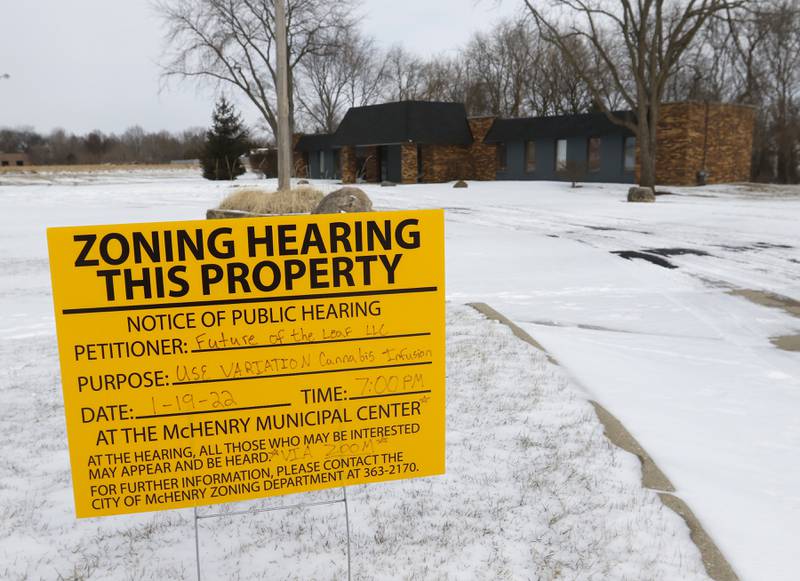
[192, 402]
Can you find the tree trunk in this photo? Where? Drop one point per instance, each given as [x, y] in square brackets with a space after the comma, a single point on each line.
[284, 136]
[647, 177]
[646, 137]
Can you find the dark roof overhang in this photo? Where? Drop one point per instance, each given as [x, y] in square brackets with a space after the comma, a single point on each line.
[556, 127]
[421, 122]
[315, 142]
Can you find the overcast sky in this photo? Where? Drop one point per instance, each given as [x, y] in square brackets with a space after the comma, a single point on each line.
[93, 64]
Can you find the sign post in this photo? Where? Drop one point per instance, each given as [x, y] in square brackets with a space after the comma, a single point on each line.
[218, 361]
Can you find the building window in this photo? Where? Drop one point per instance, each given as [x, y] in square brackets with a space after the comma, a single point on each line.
[593, 154]
[561, 155]
[322, 164]
[630, 153]
[4, 163]
[530, 156]
[502, 157]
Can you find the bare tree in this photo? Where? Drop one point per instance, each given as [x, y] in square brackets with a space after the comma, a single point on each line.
[329, 84]
[502, 62]
[553, 87]
[441, 80]
[764, 71]
[781, 53]
[455, 79]
[636, 47]
[403, 75]
[233, 42]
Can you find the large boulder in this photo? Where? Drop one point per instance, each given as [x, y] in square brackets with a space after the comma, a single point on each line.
[346, 199]
[639, 194]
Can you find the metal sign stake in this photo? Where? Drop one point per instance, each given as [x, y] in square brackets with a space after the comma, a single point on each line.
[343, 500]
[196, 544]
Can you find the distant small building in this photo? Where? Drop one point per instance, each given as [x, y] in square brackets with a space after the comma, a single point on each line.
[419, 141]
[264, 161]
[14, 159]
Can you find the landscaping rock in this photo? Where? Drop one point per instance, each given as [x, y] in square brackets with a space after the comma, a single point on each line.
[638, 194]
[461, 184]
[302, 182]
[217, 214]
[387, 184]
[346, 199]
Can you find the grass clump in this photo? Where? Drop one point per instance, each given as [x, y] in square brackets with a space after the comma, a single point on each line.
[298, 200]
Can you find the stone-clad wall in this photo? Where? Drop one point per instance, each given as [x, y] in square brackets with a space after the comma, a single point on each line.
[347, 161]
[426, 153]
[730, 143]
[444, 163]
[408, 163]
[679, 135]
[483, 156]
[477, 161]
[693, 136]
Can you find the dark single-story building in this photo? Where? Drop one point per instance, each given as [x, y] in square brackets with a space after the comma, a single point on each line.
[403, 142]
[419, 141]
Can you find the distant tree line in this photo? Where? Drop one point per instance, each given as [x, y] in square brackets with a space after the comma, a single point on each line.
[135, 145]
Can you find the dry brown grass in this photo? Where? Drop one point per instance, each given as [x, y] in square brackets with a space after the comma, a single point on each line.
[92, 168]
[298, 200]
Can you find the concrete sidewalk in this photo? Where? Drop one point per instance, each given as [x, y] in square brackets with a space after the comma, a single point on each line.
[717, 566]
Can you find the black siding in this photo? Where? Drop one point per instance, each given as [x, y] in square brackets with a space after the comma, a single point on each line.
[331, 164]
[611, 160]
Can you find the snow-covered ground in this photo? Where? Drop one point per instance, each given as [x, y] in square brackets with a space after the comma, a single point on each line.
[686, 366]
[533, 490]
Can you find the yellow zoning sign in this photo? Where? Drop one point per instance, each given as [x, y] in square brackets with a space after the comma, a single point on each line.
[215, 361]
